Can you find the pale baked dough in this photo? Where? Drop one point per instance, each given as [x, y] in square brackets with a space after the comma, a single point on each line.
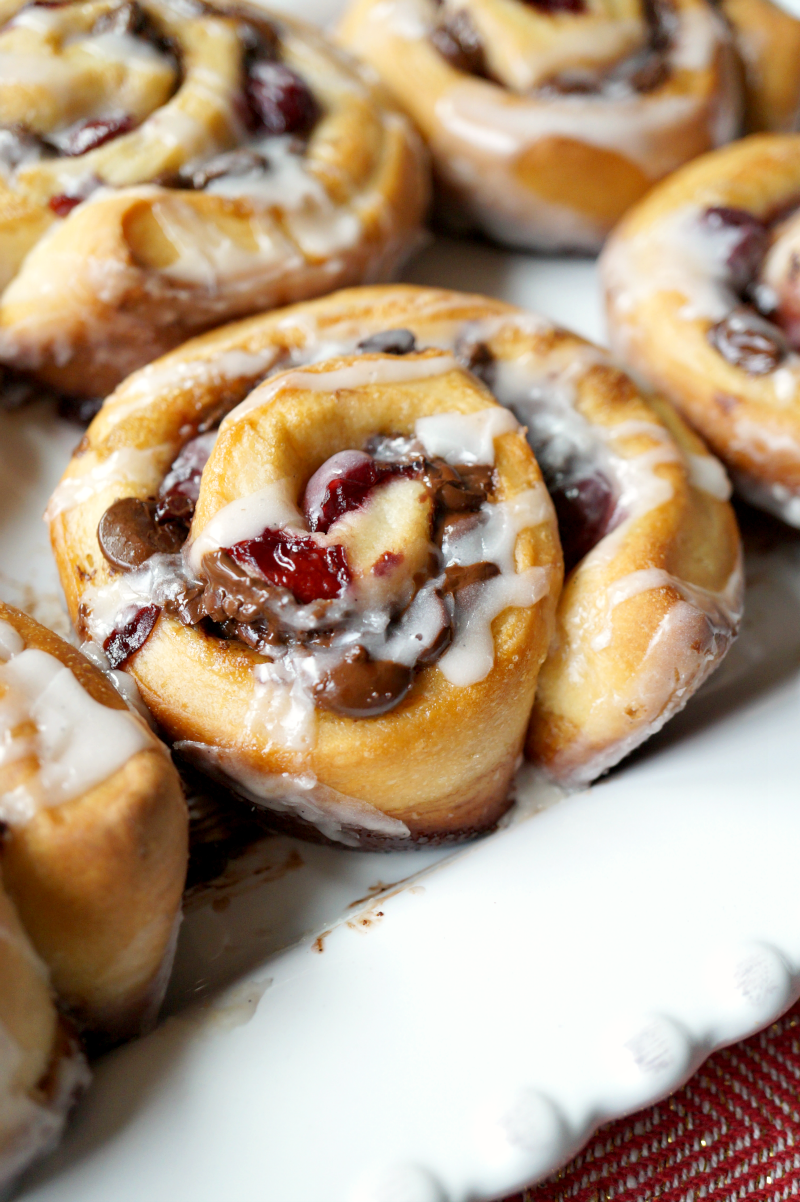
[97, 880]
[41, 1069]
[643, 618]
[140, 264]
[515, 155]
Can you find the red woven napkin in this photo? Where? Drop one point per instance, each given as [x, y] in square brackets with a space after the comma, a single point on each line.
[733, 1132]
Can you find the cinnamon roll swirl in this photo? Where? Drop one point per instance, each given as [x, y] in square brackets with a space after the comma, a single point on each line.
[94, 831]
[166, 166]
[329, 566]
[702, 293]
[547, 119]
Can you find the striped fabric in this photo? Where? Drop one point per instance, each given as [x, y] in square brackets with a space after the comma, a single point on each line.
[733, 1132]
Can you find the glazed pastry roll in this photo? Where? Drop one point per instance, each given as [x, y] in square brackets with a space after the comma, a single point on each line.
[703, 302]
[767, 38]
[547, 120]
[168, 166]
[229, 569]
[41, 1068]
[95, 831]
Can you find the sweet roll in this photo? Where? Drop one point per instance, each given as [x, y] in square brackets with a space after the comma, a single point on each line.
[95, 831]
[547, 119]
[702, 294]
[169, 165]
[163, 558]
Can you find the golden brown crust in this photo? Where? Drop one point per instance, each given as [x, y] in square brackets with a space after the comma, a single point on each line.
[535, 168]
[663, 297]
[579, 729]
[768, 41]
[97, 880]
[134, 271]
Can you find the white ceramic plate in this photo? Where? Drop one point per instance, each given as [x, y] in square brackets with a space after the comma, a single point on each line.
[449, 1026]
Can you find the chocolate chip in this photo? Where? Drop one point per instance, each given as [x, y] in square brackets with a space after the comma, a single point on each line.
[750, 245]
[458, 575]
[477, 358]
[128, 534]
[362, 687]
[390, 342]
[121, 644]
[231, 163]
[557, 6]
[79, 409]
[17, 388]
[458, 41]
[748, 341]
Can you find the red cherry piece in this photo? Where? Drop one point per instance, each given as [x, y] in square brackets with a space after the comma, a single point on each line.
[122, 643]
[750, 245]
[63, 205]
[344, 483]
[279, 100]
[584, 508]
[91, 134]
[296, 562]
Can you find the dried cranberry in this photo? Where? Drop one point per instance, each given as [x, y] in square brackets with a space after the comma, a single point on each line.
[279, 100]
[296, 562]
[344, 482]
[752, 239]
[746, 340]
[390, 342]
[180, 488]
[584, 506]
[121, 644]
[88, 135]
[458, 41]
[62, 205]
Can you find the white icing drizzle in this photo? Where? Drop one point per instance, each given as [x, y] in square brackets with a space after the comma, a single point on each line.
[722, 607]
[389, 370]
[47, 717]
[707, 474]
[470, 657]
[126, 464]
[465, 437]
[334, 815]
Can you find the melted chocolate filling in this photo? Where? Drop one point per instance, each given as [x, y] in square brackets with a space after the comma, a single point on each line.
[362, 687]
